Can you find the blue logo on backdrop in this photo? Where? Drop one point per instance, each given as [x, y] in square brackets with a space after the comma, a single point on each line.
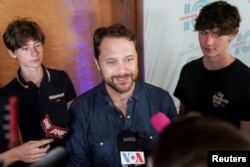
[190, 13]
[242, 44]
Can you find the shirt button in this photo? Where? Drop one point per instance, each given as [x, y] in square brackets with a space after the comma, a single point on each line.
[101, 144]
[151, 137]
[128, 116]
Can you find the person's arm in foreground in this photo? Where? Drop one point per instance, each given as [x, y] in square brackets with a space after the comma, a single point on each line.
[181, 110]
[28, 152]
[245, 127]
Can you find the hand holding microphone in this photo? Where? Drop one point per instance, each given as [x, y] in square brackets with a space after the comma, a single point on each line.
[57, 157]
[28, 152]
[31, 152]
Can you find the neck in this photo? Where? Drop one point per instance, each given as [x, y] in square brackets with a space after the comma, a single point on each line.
[216, 63]
[34, 75]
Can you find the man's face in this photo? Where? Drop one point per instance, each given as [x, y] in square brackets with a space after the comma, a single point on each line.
[30, 55]
[118, 64]
[213, 44]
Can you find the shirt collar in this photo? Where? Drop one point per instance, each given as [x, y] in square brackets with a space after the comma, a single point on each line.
[23, 83]
[103, 93]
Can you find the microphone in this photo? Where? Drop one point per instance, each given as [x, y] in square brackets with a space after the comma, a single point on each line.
[8, 122]
[57, 157]
[160, 121]
[13, 111]
[54, 125]
[128, 147]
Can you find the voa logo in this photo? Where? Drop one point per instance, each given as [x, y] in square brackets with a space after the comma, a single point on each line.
[132, 157]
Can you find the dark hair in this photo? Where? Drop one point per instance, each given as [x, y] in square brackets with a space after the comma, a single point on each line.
[186, 142]
[115, 30]
[220, 15]
[19, 31]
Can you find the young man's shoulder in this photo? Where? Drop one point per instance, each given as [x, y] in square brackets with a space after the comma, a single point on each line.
[242, 66]
[10, 86]
[193, 63]
[56, 71]
[57, 75]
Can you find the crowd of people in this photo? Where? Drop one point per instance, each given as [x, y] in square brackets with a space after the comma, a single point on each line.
[122, 105]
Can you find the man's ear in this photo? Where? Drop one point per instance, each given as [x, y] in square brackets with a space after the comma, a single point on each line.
[97, 64]
[13, 55]
[234, 34]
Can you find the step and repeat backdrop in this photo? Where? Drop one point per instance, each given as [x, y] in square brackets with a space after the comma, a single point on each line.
[170, 40]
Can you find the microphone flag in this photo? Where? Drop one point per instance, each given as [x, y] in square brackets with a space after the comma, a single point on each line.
[51, 130]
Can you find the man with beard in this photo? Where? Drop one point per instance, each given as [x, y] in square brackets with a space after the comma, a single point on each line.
[121, 103]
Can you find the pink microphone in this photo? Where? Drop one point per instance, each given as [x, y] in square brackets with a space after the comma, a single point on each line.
[160, 121]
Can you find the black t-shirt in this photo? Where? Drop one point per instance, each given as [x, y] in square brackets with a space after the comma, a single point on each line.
[223, 93]
[56, 89]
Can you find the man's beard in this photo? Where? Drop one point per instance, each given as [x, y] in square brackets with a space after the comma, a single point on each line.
[121, 88]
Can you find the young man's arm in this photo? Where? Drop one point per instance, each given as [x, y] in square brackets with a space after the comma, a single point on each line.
[245, 127]
[28, 152]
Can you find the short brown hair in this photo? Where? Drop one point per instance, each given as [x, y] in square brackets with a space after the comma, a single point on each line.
[19, 31]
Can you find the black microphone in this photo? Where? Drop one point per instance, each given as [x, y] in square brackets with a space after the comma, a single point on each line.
[57, 157]
[127, 145]
[60, 116]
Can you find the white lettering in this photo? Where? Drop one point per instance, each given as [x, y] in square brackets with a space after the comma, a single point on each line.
[216, 158]
[58, 132]
[47, 124]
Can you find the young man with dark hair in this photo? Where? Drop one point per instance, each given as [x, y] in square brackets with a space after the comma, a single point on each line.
[217, 84]
[39, 90]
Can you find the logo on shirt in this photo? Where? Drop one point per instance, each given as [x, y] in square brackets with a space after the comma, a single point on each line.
[56, 97]
[219, 100]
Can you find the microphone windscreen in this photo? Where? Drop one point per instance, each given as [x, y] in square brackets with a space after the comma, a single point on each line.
[59, 117]
[160, 121]
[126, 141]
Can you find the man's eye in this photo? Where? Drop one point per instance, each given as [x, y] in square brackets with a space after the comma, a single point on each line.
[111, 62]
[129, 59]
[203, 33]
[217, 35]
[38, 45]
[25, 48]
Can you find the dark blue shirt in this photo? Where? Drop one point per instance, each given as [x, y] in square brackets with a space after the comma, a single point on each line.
[96, 124]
